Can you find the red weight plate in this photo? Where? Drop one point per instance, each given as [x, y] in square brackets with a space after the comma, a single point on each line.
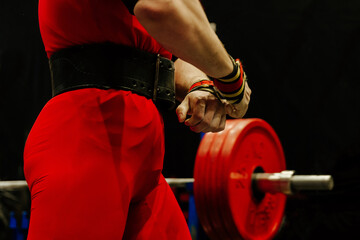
[211, 185]
[223, 168]
[208, 175]
[200, 184]
[234, 127]
[203, 187]
[215, 183]
[253, 144]
[210, 205]
[206, 184]
[218, 193]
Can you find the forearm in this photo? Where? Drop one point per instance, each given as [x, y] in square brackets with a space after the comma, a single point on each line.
[181, 26]
[185, 76]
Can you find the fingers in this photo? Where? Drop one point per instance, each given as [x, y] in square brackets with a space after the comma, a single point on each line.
[198, 107]
[207, 113]
[203, 117]
[217, 124]
[183, 109]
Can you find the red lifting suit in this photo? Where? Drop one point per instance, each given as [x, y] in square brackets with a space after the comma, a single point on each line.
[93, 158]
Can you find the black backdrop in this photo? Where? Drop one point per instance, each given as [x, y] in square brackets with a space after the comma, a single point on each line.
[302, 58]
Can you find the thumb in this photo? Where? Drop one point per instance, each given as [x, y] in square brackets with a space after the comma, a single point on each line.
[183, 109]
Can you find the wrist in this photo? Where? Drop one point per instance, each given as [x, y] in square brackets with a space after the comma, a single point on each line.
[205, 85]
[202, 83]
[232, 86]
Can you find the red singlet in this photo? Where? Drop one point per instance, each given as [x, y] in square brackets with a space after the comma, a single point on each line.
[65, 23]
[93, 158]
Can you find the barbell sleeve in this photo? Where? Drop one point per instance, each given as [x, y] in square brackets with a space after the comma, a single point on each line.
[288, 183]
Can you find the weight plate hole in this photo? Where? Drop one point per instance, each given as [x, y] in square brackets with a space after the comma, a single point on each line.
[258, 195]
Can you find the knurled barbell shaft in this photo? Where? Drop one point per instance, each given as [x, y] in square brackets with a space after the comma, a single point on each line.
[179, 182]
[13, 185]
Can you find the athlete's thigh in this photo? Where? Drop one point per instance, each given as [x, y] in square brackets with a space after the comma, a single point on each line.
[158, 216]
[78, 187]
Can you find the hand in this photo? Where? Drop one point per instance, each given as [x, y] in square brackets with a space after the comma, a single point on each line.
[239, 110]
[207, 112]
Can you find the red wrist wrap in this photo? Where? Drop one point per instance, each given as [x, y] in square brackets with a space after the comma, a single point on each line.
[229, 87]
[232, 86]
[200, 83]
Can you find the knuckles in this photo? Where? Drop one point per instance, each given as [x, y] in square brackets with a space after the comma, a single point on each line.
[198, 116]
[203, 107]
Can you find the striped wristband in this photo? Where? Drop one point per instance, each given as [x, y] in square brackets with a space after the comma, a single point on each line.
[232, 86]
[205, 85]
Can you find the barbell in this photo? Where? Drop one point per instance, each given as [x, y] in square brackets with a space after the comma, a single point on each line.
[240, 181]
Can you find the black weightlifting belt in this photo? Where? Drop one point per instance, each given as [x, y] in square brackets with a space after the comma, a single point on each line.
[111, 66]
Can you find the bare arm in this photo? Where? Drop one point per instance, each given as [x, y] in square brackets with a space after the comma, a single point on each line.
[182, 27]
[185, 76]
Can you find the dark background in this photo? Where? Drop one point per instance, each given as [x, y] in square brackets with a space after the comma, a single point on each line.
[302, 58]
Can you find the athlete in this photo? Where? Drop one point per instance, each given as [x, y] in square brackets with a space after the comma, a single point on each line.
[94, 156]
